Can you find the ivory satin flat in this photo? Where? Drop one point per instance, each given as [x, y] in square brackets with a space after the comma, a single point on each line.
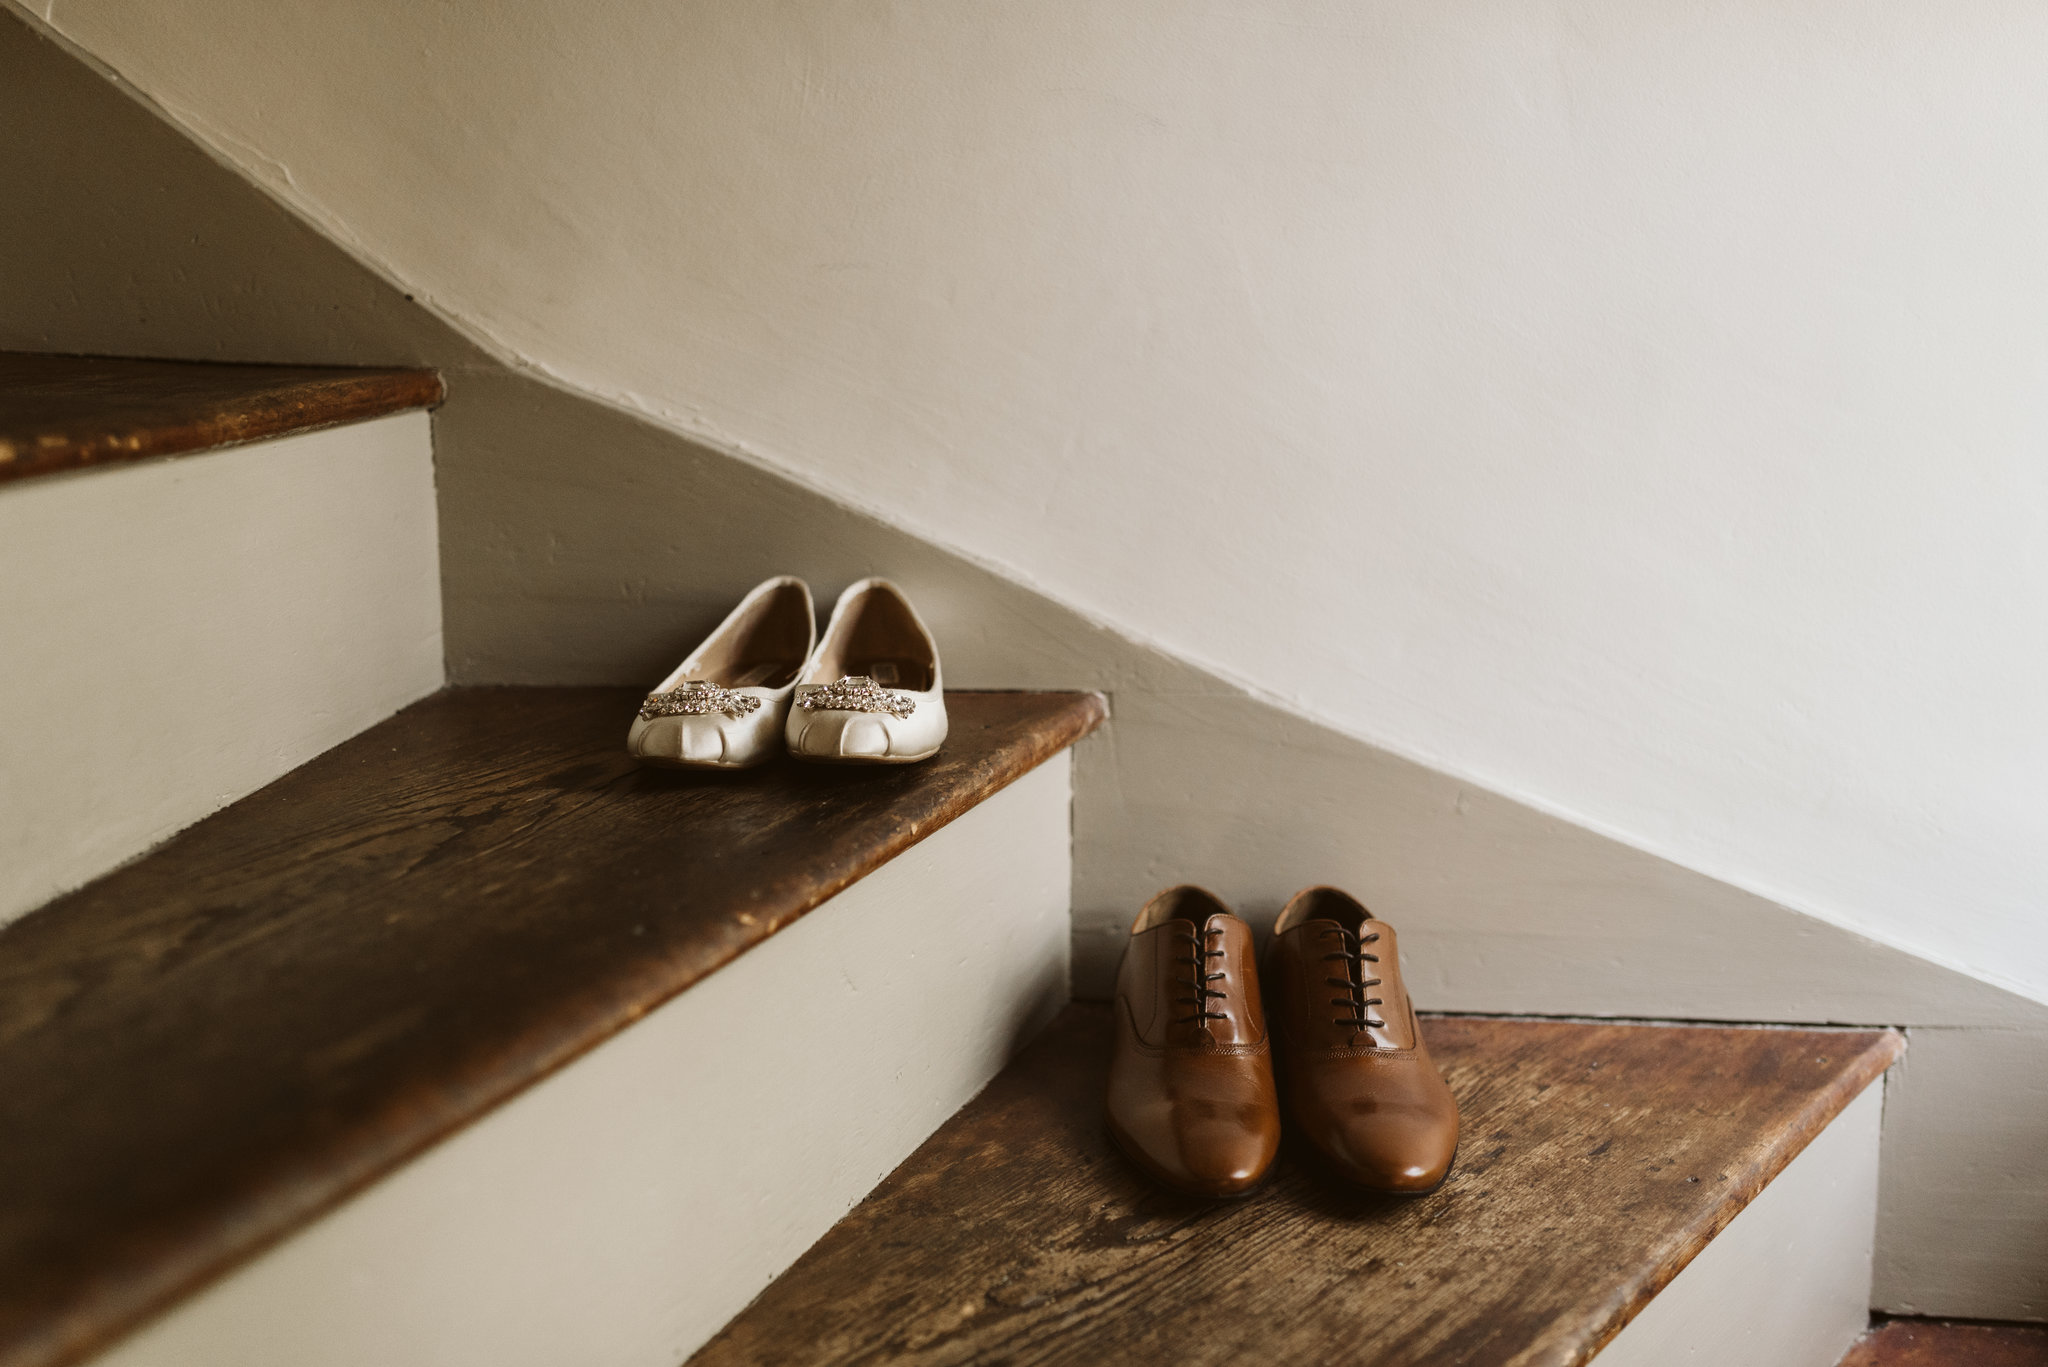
[871, 692]
[724, 706]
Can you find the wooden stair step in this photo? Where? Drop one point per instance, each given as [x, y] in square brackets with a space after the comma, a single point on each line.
[1597, 1159]
[70, 412]
[205, 1049]
[1945, 1343]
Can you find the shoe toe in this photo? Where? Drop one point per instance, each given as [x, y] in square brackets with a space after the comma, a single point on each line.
[840, 735]
[1226, 1156]
[814, 733]
[864, 736]
[1387, 1155]
[703, 742]
[695, 740]
[1200, 1149]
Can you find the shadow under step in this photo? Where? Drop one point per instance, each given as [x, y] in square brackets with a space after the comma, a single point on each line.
[1597, 1160]
[206, 1049]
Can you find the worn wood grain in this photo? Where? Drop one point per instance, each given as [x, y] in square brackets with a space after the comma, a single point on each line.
[203, 1050]
[1596, 1161]
[69, 412]
[1944, 1343]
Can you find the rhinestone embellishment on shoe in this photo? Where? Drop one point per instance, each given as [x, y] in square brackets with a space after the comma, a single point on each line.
[697, 698]
[856, 693]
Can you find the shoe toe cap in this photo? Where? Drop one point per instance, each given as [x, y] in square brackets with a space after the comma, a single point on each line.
[864, 736]
[697, 740]
[839, 735]
[1226, 1158]
[1203, 1150]
[1392, 1156]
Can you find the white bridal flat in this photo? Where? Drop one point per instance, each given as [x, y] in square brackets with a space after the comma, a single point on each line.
[723, 707]
[871, 693]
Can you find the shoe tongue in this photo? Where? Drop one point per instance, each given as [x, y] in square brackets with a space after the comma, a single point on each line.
[1329, 907]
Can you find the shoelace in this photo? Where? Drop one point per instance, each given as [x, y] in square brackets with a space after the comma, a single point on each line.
[1354, 982]
[1199, 955]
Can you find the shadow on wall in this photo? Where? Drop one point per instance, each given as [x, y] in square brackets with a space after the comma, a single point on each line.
[581, 544]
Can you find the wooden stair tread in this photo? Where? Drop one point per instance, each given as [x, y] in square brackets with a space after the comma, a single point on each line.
[1596, 1161]
[70, 412]
[204, 1049]
[1943, 1343]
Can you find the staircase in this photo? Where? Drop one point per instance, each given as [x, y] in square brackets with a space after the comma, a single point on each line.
[437, 1032]
[1617, 1185]
[188, 620]
[205, 1050]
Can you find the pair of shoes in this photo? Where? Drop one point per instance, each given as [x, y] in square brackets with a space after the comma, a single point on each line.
[1192, 1094]
[868, 692]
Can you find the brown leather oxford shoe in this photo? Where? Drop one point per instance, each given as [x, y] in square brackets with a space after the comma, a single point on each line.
[1191, 1097]
[1358, 1080]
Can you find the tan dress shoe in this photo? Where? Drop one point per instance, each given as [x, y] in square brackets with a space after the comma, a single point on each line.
[1358, 1080]
[1191, 1097]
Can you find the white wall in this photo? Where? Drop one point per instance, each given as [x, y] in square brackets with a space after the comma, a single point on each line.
[1637, 408]
[128, 239]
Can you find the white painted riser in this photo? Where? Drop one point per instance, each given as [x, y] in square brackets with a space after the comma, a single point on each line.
[188, 630]
[1787, 1283]
[619, 1212]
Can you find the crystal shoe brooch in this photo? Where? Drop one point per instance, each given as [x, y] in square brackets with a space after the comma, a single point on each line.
[856, 693]
[696, 698]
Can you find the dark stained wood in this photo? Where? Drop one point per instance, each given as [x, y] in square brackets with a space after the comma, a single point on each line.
[69, 412]
[1596, 1161]
[203, 1050]
[1946, 1343]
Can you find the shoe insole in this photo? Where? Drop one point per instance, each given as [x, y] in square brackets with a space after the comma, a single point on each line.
[765, 674]
[910, 674]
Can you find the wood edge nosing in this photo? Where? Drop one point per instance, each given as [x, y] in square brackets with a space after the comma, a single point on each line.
[1881, 1048]
[348, 399]
[1041, 749]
